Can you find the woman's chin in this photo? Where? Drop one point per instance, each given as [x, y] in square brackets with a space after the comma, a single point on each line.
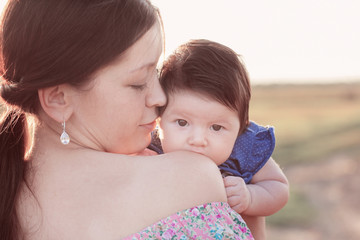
[139, 147]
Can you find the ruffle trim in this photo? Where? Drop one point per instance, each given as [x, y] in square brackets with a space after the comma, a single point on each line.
[251, 151]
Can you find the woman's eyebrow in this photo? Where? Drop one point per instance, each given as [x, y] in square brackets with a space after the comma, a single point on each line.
[143, 66]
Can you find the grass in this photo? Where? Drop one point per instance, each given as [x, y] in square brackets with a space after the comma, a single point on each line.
[297, 212]
[312, 123]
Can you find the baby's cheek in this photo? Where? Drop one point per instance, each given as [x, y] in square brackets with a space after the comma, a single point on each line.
[222, 154]
[219, 160]
[169, 143]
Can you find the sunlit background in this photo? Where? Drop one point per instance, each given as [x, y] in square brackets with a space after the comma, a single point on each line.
[280, 40]
[303, 57]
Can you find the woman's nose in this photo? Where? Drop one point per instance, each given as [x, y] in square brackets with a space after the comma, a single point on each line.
[156, 96]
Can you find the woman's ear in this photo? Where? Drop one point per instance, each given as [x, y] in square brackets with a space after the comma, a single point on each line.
[56, 102]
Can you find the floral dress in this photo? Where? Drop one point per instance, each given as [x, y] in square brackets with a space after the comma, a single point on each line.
[209, 221]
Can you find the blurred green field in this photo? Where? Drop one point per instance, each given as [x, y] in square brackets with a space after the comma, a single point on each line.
[313, 124]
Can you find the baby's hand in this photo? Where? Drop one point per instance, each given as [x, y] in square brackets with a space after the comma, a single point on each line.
[238, 195]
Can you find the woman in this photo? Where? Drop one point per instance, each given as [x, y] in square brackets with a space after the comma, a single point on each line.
[85, 71]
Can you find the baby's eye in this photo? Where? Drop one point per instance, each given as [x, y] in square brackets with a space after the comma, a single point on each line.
[182, 122]
[216, 127]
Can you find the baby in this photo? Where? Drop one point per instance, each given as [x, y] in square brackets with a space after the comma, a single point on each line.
[208, 94]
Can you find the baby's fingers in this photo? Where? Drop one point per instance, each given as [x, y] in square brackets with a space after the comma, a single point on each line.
[236, 204]
[233, 181]
[232, 191]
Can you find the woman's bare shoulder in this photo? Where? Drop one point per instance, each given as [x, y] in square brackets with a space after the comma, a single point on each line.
[138, 190]
[189, 175]
[179, 173]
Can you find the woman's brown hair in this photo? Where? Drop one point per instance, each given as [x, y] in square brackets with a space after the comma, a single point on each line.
[44, 43]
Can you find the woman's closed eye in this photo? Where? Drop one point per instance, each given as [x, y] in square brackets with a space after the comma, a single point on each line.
[182, 122]
[216, 127]
[139, 87]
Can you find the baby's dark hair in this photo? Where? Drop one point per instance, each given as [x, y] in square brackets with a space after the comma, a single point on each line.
[212, 69]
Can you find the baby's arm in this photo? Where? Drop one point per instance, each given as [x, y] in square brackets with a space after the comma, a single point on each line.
[266, 194]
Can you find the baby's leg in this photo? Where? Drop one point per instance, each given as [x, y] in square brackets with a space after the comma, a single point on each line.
[256, 225]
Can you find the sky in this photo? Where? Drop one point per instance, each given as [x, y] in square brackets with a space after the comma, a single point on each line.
[280, 41]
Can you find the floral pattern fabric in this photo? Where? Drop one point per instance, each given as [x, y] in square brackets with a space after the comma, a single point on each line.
[209, 221]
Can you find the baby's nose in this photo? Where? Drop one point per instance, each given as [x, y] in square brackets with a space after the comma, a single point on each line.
[198, 139]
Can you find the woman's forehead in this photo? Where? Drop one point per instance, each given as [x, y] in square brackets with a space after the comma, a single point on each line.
[146, 51]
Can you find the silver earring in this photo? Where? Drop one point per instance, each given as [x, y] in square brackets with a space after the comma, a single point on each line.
[64, 138]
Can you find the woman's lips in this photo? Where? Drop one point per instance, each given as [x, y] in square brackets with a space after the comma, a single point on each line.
[150, 126]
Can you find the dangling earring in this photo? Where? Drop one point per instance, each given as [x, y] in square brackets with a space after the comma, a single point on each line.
[64, 138]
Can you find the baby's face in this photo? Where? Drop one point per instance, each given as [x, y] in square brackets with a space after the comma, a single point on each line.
[194, 122]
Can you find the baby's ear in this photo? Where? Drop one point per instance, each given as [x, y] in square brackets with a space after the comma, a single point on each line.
[56, 101]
